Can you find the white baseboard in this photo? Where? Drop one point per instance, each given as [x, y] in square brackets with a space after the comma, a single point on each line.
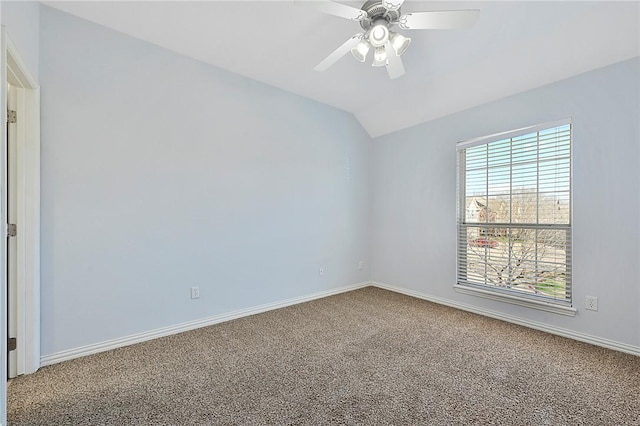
[216, 319]
[582, 337]
[186, 326]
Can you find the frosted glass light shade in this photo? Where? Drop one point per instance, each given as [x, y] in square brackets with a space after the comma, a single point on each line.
[378, 35]
[399, 43]
[361, 50]
[379, 57]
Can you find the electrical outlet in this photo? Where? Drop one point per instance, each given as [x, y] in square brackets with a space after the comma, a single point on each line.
[591, 303]
[195, 292]
[321, 271]
[361, 265]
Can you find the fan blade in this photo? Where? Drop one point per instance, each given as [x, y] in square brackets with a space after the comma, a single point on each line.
[439, 20]
[339, 52]
[392, 4]
[336, 9]
[395, 68]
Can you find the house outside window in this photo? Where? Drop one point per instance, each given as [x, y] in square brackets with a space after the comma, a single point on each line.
[514, 214]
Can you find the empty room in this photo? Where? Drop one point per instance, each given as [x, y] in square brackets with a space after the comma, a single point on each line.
[320, 212]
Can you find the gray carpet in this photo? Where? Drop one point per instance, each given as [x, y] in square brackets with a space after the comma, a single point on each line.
[365, 357]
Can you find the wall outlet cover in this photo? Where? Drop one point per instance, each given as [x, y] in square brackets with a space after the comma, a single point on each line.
[195, 292]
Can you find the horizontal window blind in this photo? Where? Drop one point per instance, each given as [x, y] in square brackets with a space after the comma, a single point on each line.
[514, 213]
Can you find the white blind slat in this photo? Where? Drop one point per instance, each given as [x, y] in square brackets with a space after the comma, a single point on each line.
[514, 212]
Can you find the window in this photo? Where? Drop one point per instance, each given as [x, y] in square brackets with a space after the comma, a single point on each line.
[514, 214]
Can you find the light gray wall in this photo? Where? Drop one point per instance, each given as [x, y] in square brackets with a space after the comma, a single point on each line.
[414, 198]
[21, 19]
[160, 173]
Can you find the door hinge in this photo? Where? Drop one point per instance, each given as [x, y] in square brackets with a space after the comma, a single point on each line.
[12, 117]
[12, 230]
[12, 344]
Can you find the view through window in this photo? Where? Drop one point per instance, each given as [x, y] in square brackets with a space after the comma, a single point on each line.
[514, 213]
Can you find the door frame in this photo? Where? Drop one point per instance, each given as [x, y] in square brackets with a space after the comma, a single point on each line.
[13, 70]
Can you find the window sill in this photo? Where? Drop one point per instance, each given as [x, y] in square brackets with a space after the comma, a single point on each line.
[522, 301]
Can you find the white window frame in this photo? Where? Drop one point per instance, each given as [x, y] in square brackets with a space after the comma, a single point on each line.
[499, 294]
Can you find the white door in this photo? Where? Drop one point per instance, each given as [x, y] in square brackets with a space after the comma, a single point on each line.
[12, 266]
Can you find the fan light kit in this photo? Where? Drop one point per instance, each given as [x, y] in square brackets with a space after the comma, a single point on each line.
[377, 17]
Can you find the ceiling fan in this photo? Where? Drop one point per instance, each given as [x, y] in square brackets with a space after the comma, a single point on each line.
[377, 18]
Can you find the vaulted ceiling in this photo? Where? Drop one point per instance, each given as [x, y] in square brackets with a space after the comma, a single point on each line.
[514, 47]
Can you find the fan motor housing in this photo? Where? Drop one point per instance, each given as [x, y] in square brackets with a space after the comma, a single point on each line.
[375, 10]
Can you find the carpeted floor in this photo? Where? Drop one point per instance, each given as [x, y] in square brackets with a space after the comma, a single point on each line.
[365, 357]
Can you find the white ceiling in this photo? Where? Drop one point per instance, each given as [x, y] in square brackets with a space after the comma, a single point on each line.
[514, 47]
